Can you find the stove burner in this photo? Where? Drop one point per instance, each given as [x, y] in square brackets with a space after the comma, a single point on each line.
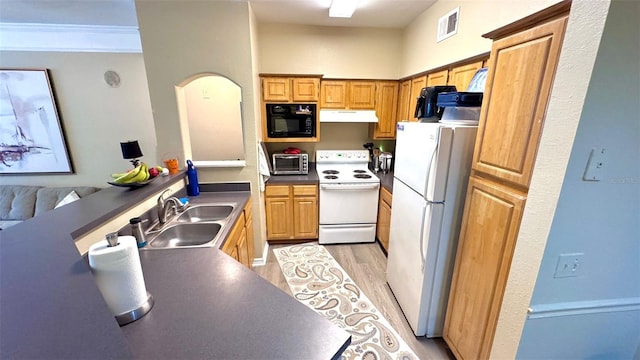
[362, 176]
[359, 171]
[333, 172]
[331, 177]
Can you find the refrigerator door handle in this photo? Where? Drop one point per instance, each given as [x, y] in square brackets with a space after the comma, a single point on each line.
[422, 256]
[433, 156]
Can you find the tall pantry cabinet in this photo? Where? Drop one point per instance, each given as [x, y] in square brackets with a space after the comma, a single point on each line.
[522, 66]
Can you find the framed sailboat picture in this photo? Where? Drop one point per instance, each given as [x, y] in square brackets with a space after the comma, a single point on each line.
[31, 134]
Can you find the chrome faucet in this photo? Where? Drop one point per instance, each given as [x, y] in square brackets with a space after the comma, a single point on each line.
[166, 206]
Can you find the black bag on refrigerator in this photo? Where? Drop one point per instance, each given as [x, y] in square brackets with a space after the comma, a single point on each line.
[459, 99]
[426, 103]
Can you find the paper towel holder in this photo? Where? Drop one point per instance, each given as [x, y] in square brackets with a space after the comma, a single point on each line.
[135, 314]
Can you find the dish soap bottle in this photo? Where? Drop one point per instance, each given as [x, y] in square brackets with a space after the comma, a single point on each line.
[193, 188]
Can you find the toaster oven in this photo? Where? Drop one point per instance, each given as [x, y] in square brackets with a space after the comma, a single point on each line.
[290, 164]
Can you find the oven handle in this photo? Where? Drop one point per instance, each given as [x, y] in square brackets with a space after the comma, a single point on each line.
[350, 187]
[288, 157]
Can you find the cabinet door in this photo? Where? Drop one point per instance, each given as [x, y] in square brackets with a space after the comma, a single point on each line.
[386, 110]
[276, 89]
[437, 78]
[405, 111]
[305, 209]
[521, 71]
[249, 229]
[279, 212]
[416, 86]
[488, 234]
[362, 95]
[333, 94]
[461, 76]
[384, 218]
[231, 245]
[243, 251]
[305, 89]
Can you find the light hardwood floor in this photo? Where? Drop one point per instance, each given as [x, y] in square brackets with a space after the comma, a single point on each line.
[366, 264]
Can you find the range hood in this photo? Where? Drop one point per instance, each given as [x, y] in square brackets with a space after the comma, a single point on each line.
[348, 116]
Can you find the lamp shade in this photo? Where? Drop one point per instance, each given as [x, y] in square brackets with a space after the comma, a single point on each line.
[130, 149]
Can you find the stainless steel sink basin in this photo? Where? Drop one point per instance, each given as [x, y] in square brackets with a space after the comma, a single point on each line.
[181, 235]
[205, 213]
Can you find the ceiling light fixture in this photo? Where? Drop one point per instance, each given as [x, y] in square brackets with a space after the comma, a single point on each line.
[342, 8]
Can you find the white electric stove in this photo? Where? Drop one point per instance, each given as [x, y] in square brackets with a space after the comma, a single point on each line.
[348, 197]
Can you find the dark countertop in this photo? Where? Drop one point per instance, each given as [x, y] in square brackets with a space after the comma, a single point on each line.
[386, 180]
[51, 307]
[311, 178]
[212, 307]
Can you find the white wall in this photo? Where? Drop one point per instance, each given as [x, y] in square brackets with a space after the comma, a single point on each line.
[181, 39]
[600, 219]
[422, 52]
[95, 117]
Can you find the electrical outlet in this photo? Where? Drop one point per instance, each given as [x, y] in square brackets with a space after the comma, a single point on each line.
[569, 265]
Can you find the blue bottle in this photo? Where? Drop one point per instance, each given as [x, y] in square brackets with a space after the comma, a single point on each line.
[193, 188]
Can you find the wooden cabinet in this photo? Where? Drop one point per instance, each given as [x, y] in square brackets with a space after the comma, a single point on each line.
[386, 110]
[290, 89]
[384, 218]
[437, 78]
[416, 87]
[520, 76]
[461, 76]
[292, 212]
[521, 70]
[239, 243]
[347, 94]
[406, 104]
[489, 229]
[362, 94]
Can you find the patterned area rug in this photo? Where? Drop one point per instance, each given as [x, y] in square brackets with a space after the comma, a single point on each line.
[318, 281]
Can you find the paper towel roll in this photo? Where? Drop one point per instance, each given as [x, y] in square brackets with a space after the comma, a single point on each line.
[118, 274]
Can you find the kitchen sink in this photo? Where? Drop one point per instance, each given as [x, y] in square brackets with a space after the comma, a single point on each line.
[205, 213]
[184, 235]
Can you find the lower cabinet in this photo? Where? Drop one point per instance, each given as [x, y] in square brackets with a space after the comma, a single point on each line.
[384, 218]
[482, 266]
[292, 212]
[239, 244]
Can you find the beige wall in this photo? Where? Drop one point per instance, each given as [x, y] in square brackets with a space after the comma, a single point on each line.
[335, 52]
[95, 116]
[181, 39]
[421, 51]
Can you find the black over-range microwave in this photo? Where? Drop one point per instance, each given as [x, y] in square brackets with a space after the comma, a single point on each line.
[291, 120]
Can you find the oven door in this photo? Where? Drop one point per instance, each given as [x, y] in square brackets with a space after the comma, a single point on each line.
[349, 203]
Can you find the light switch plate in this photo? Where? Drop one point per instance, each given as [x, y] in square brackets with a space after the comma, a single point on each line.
[596, 165]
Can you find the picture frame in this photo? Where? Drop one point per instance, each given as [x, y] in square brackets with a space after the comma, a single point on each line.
[32, 137]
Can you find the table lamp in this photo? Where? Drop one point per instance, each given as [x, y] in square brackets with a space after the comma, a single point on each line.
[131, 150]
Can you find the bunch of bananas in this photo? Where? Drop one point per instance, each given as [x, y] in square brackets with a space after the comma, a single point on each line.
[138, 174]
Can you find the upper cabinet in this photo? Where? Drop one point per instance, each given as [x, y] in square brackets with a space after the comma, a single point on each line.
[347, 94]
[437, 78]
[386, 106]
[461, 76]
[290, 89]
[405, 108]
[522, 68]
[416, 86]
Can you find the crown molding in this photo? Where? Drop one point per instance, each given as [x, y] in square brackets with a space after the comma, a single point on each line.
[69, 38]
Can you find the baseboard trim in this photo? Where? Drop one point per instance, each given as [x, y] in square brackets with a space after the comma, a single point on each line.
[263, 260]
[583, 308]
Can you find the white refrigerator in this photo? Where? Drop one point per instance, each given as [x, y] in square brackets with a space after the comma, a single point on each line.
[432, 165]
